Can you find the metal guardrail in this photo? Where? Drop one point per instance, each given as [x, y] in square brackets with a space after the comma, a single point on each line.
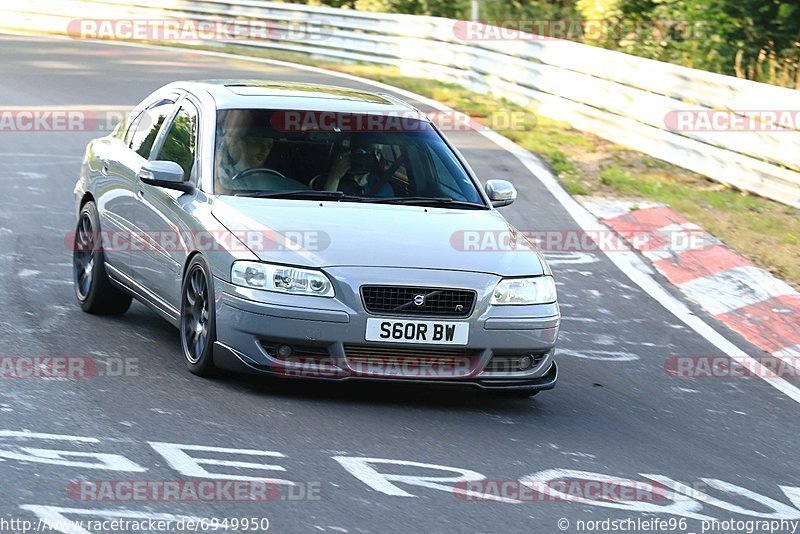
[616, 96]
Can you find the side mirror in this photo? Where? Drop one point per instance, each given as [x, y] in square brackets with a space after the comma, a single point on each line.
[500, 192]
[166, 174]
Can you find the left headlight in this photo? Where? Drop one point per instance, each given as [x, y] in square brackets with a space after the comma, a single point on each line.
[281, 278]
[537, 290]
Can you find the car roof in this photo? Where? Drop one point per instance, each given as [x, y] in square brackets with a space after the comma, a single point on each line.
[262, 94]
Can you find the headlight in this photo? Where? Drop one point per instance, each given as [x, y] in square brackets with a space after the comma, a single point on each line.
[538, 290]
[281, 278]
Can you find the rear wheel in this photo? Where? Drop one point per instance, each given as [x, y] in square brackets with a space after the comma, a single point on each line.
[198, 320]
[92, 288]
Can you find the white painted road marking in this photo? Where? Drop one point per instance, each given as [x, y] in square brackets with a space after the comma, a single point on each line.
[191, 466]
[376, 474]
[681, 505]
[111, 462]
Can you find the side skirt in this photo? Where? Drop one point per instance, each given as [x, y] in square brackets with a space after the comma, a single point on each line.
[143, 295]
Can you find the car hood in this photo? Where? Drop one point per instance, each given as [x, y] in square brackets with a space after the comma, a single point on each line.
[328, 234]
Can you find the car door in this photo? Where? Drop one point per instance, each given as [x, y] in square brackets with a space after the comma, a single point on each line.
[114, 192]
[118, 187]
[162, 213]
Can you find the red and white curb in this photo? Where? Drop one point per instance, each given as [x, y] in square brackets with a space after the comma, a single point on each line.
[746, 298]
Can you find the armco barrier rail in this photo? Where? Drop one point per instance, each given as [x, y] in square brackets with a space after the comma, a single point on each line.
[629, 100]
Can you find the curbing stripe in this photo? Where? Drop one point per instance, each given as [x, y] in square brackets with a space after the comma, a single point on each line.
[745, 298]
[697, 263]
[771, 324]
[735, 288]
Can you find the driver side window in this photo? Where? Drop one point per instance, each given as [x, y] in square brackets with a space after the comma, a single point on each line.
[146, 127]
[180, 144]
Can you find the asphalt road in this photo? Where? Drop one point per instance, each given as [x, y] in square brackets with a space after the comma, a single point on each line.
[615, 411]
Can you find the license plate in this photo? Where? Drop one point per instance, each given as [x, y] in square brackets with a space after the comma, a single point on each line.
[436, 332]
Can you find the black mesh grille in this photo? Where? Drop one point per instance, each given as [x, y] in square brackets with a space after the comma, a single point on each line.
[402, 300]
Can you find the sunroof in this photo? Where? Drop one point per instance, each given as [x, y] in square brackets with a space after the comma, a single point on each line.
[304, 90]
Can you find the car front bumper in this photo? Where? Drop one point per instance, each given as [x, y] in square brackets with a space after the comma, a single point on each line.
[328, 340]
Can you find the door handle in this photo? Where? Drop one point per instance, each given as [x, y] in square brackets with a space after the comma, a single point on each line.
[104, 168]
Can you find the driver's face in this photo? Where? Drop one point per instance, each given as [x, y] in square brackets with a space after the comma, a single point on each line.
[257, 149]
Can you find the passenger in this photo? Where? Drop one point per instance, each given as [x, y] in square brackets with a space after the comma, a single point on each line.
[356, 173]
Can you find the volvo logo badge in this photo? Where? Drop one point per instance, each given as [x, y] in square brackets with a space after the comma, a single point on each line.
[419, 300]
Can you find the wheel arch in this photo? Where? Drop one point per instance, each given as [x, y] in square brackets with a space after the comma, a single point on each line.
[189, 259]
[87, 197]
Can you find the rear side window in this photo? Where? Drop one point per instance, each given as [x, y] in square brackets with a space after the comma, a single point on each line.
[146, 127]
[181, 141]
[129, 127]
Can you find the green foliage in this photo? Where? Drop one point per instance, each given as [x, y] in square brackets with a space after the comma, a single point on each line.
[179, 145]
[753, 39]
[532, 9]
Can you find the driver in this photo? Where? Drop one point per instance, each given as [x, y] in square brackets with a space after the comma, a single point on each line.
[247, 149]
[245, 144]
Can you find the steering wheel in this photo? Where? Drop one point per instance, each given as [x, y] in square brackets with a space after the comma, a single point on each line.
[256, 170]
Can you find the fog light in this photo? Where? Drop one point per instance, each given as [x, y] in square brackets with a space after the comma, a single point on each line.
[284, 351]
[526, 362]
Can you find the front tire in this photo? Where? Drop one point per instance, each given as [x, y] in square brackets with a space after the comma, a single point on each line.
[198, 318]
[94, 291]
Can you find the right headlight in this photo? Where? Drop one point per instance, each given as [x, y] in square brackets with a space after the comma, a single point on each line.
[259, 275]
[534, 290]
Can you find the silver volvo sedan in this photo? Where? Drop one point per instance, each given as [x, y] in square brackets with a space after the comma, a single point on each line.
[316, 232]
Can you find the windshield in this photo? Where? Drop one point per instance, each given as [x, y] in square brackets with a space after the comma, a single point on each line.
[367, 158]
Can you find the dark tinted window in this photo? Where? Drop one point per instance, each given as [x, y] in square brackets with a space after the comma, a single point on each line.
[146, 128]
[369, 156]
[181, 141]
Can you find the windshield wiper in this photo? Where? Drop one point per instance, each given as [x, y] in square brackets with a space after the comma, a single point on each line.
[430, 201]
[302, 195]
[340, 196]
